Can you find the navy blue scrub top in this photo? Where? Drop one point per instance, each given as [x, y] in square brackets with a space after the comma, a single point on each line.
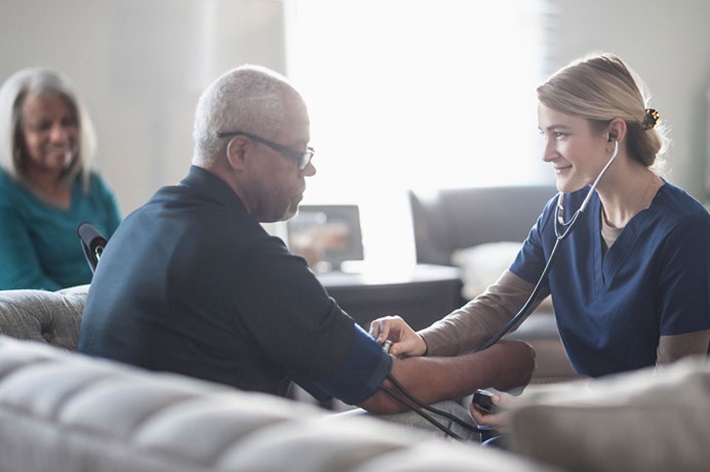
[654, 281]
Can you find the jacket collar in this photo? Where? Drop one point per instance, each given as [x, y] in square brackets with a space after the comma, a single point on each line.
[208, 184]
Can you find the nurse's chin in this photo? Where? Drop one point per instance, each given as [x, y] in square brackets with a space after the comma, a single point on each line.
[568, 186]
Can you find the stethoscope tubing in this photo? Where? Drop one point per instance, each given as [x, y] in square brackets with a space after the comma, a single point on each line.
[562, 231]
[526, 309]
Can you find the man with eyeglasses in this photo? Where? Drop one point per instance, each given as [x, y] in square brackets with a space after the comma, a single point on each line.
[191, 282]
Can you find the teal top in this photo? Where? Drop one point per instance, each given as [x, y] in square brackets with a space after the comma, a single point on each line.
[39, 246]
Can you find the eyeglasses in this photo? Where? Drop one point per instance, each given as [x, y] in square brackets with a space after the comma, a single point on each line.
[302, 158]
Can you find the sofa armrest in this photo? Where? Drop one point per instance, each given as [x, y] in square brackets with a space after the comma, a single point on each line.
[40, 315]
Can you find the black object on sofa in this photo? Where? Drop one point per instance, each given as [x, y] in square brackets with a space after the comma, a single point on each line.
[450, 220]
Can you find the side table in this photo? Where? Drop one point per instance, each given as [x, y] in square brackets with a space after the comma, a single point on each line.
[420, 295]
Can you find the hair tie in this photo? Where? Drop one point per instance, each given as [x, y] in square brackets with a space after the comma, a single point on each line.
[651, 119]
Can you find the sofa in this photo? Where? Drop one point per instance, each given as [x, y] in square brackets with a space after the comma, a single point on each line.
[480, 230]
[63, 411]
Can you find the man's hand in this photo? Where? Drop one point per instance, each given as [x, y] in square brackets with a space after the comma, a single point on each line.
[405, 341]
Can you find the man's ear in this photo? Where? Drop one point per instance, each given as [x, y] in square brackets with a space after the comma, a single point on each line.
[237, 152]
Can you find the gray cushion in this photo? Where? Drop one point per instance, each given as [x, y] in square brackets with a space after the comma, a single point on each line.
[646, 420]
[39, 315]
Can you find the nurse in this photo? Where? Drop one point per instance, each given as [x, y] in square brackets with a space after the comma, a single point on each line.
[631, 284]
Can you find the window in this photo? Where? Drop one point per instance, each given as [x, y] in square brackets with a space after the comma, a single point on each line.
[415, 94]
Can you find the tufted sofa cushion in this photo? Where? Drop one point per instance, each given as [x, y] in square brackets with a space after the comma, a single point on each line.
[62, 411]
[39, 315]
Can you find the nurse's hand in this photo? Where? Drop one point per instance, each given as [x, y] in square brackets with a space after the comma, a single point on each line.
[499, 420]
[405, 341]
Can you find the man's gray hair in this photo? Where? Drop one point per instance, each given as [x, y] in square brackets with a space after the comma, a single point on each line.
[249, 98]
[41, 81]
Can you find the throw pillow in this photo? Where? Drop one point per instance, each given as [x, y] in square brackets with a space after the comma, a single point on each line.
[481, 266]
[650, 420]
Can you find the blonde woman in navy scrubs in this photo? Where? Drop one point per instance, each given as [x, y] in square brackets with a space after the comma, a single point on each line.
[631, 283]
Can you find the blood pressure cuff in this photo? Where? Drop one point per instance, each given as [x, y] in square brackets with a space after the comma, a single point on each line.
[357, 376]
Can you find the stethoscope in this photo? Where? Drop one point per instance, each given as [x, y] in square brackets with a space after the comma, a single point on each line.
[562, 230]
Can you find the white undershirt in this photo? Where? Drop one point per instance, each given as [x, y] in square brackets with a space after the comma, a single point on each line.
[609, 235]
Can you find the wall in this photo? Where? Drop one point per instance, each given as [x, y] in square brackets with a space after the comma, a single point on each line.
[140, 65]
[668, 44]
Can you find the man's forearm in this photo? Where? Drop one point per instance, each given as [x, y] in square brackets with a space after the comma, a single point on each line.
[505, 365]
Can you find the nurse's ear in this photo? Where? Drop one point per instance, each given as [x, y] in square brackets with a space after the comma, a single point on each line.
[616, 130]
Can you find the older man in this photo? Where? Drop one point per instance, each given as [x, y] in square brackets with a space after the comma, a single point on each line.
[191, 282]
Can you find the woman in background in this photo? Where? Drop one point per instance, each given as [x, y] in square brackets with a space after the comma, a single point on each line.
[631, 283]
[47, 183]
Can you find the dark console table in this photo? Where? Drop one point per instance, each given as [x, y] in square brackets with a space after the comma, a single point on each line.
[421, 295]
